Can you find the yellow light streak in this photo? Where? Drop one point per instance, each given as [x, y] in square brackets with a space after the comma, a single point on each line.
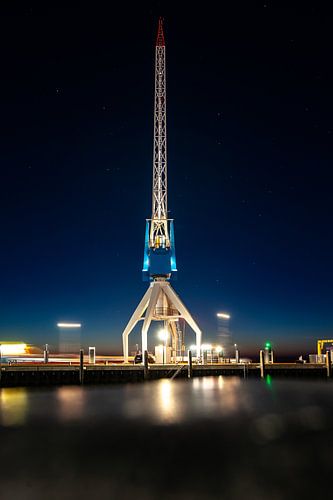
[12, 348]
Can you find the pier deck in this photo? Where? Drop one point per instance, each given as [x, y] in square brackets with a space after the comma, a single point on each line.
[44, 374]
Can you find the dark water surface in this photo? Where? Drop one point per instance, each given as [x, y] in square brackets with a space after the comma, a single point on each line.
[213, 437]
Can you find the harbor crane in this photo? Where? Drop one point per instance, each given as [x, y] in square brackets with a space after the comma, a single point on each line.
[160, 302]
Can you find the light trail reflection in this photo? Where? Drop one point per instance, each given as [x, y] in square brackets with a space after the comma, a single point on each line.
[170, 402]
[168, 405]
[14, 405]
[71, 402]
[164, 402]
[222, 395]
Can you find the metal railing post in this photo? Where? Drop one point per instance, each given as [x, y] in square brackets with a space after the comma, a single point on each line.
[262, 364]
[328, 364]
[81, 374]
[145, 365]
[189, 366]
[46, 354]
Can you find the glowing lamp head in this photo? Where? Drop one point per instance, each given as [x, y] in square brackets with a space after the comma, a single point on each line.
[218, 349]
[69, 325]
[223, 315]
[163, 335]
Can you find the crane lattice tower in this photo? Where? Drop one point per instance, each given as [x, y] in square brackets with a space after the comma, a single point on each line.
[160, 302]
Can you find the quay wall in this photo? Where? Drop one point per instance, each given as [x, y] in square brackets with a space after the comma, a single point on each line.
[51, 375]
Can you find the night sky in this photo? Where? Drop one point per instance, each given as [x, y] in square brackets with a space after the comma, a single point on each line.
[250, 131]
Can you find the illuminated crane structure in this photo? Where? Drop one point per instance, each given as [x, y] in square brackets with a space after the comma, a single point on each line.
[160, 302]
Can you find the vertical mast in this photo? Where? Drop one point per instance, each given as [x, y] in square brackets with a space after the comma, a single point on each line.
[159, 258]
[159, 234]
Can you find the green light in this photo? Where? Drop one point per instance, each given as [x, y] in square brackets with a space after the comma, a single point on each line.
[268, 345]
[269, 380]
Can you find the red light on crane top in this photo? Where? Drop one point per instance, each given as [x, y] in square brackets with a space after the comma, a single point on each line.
[160, 34]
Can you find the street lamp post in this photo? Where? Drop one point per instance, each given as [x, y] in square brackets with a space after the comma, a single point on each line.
[219, 352]
[70, 342]
[236, 354]
[163, 335]
[223, 319]
[205, 348]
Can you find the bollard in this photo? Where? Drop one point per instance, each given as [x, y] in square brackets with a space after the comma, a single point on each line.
[189, 366]
[46, 354]
[328, 365]
[262, 364]
[145, 365]
[92, 355]
[81, 366]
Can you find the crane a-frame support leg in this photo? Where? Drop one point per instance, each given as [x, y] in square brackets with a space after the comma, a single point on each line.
[148, 305]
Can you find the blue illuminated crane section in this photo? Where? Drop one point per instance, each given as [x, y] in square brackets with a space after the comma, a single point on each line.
[159, 258]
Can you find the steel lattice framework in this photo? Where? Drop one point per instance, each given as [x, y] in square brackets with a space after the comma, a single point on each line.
[159, 219]
[160, 302]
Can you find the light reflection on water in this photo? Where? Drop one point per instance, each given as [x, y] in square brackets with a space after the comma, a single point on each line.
[167, 406]
[219, 434]
[13, 406]
[71, 402]
[220, 395]
[163, 402]
[167, 401]
[158, 401]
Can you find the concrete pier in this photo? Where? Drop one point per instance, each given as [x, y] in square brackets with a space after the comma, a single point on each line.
[44, 375]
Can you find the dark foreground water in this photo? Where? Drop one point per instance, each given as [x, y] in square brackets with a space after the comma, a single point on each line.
[213, 437]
